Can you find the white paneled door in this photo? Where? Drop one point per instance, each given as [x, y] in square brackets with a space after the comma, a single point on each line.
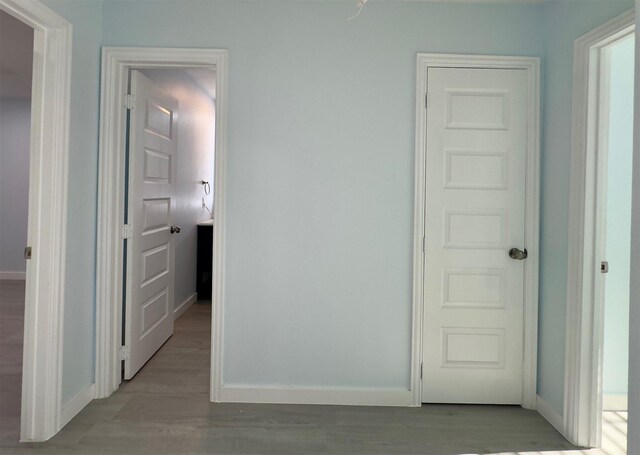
[152, 171]
[475, 214]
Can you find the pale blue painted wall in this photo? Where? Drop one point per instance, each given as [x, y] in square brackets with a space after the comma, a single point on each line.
[563, 22]
[79, 312]
[320, 176]
[320, 171]
[618, 242]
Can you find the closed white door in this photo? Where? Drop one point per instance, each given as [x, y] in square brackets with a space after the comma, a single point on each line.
[475, 193]
[150, 254]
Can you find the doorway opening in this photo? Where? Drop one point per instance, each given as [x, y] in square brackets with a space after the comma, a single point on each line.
[162, 118]
[596, 376]
[617, 88]
[476, 233]
[168, 213]
[42, 411]
[16, 67]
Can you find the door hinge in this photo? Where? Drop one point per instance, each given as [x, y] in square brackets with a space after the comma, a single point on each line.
[27, 252]
[125, 352]
[426, 100]
[421, 369]
[127, 231]
[604, 267]
[129, 101]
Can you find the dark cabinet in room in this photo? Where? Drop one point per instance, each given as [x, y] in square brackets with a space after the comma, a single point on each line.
[204, 281]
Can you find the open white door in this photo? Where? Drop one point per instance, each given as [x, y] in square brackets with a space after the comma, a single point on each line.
[475, 193]
[150, 254]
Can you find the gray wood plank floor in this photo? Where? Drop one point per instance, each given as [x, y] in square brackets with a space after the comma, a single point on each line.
[11, 339]
[165, 410]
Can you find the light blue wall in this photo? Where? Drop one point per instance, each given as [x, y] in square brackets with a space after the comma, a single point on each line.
[320, 171]
[563, 22]
[618, 243]
[79, 311]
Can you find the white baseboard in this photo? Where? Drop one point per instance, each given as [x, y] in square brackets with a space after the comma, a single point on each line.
[615, 403]
[13, 276]
[550, 414]
[355, 397]
[184, 306]
[77, 404]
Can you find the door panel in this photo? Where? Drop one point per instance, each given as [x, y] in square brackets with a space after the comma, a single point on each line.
[475, 193]
[150, 255]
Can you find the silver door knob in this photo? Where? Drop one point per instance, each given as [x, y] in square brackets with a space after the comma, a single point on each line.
[518, 254]
[175, 229]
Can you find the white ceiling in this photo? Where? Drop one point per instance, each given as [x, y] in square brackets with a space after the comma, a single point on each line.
[16, 57]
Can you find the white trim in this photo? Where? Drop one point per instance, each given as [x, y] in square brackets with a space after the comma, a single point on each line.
[615, 402]
[219, 244]
[550, 414]
[77, 404]
[21, 276]
[584, 325]
[184, 306]
[532, 66]
[44, 297]
[301, 395]
[116, 62]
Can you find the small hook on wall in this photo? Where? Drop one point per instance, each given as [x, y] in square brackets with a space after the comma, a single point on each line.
[206, 187]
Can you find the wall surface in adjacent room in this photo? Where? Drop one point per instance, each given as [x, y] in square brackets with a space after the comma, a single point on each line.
[615, 371]
[15, 130]
[16, 67]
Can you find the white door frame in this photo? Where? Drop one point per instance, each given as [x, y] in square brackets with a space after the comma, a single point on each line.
[585, 301]
[46, 233]
[116, 63]
[532, 66]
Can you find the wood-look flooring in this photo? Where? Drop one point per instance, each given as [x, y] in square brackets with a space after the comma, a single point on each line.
[165, 410]
[11, 339]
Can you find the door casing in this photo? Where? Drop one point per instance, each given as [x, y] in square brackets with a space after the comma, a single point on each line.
[585, 302]
[532, 66]
[43, 414]
[116, 64]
